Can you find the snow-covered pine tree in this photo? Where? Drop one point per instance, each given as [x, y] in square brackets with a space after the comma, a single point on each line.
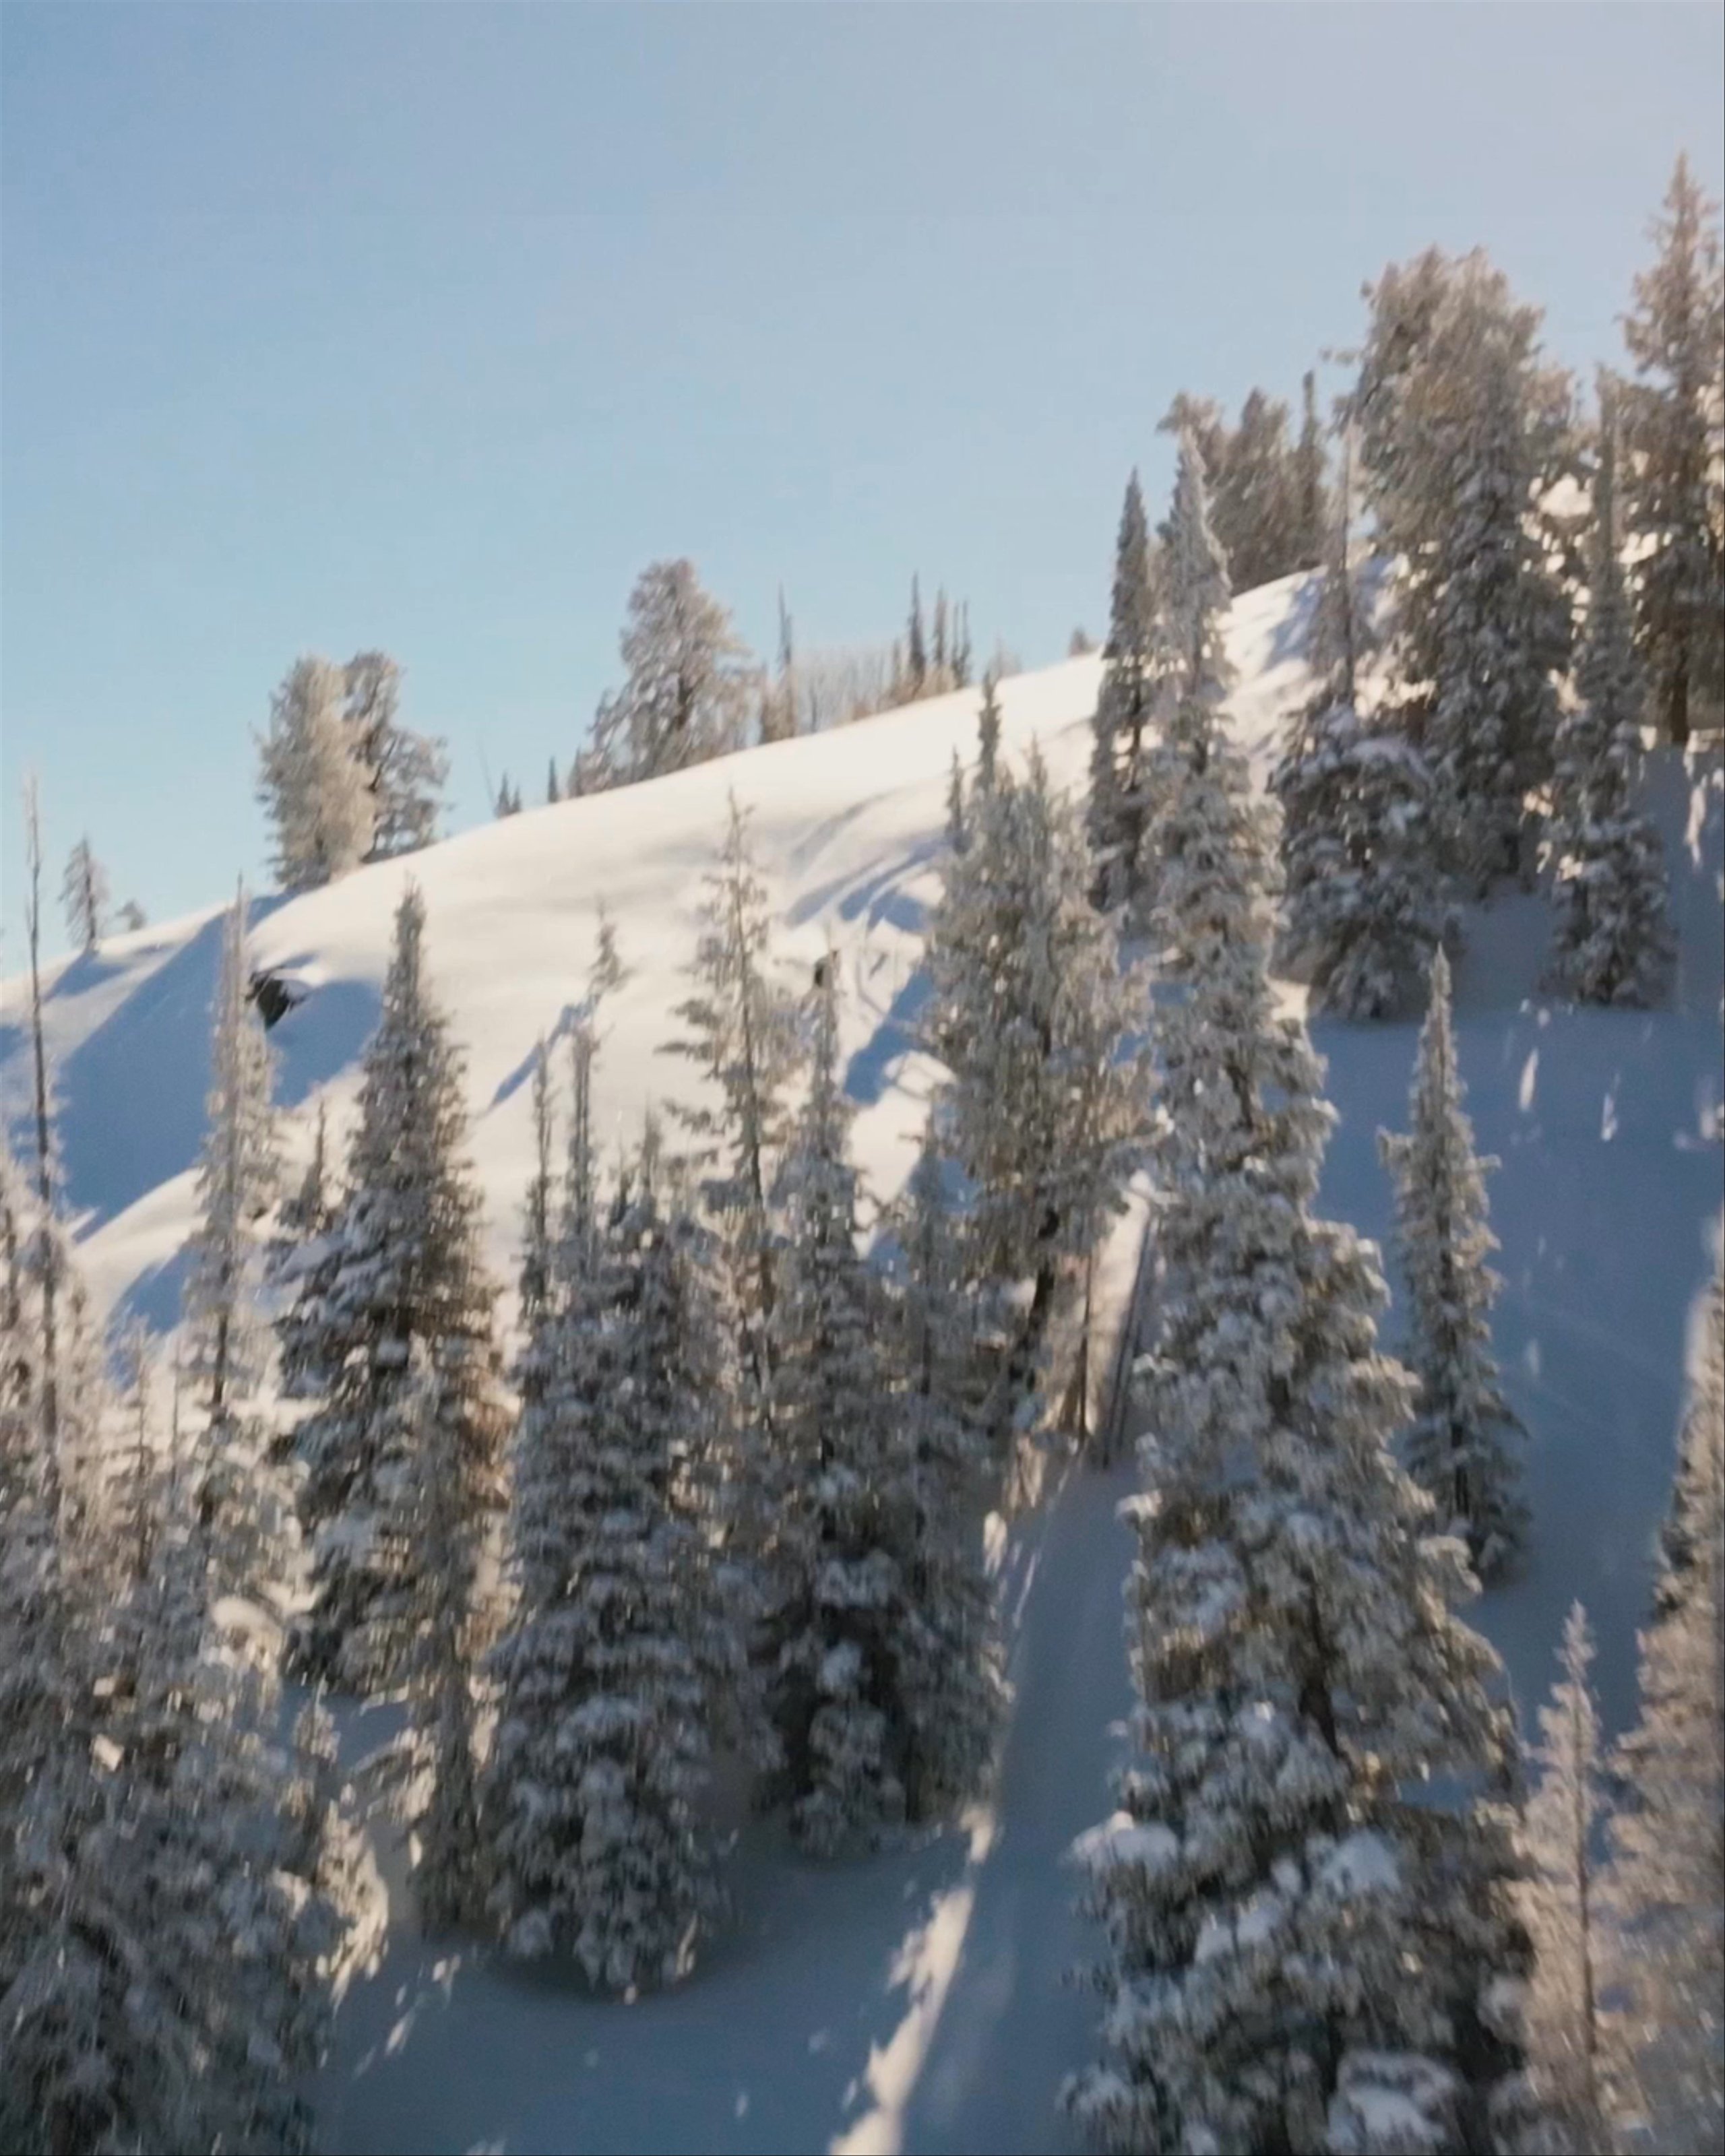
[1612, 941]
[1361, 891]
[167, 1961]
[743, 1034]
[405, 772]
[1676, 335]
[915, 648]
[988, 734]
[304, 1216]
[1194, 774]
[311, 781]
[688, 689]
[1252, 503]
[401, 1264]
[843, 1630]
[535, 1282]
[85, 895]
[955, 1686]
[1299, 1936]
[1119, 801]
[433, 1632]
[1464, 1446]
[1667, 1869]
[1462, 429]
[613, 1668]
[1566, 1923]
[1310, 523]
[957, 836]
[1030, 1014]
[245, 1500]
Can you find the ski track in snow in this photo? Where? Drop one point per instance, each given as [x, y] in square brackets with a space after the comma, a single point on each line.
[920, 2000]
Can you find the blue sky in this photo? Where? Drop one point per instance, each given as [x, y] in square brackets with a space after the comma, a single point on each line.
[427, 327]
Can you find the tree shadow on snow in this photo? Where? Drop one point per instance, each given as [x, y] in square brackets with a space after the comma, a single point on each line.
[768, 2046]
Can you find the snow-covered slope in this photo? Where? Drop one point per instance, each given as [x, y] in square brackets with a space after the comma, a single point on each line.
[848, 828]
[917, 2001]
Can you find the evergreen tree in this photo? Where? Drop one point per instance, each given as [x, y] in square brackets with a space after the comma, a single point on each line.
[1464, 1446]
[1125, 701]
[509, 797]
[846, 1639]
[621, 1645]
[1030, 1012]
[1667, 1869]
[958, 832]
[1363, 915]
[405, 772]
[915, 648]
[168, 1954]
[85, 895]
[311, 780]
[1309, 523]
[1612, 940]
[1299, 1936]
[1462, 430]
[689, 687]
[741, 1034]
[1253, 505]
[1563, 1915]
[245, 1501]
[401, 1265]
[1194, 774]
[534, 1283]
[988, 733]
[305, 1216]
[443, 1431]
[954, 1688]
[553, 789]
[1676, 334]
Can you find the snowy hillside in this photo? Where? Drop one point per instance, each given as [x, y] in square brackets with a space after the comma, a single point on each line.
[848, 828]
[917, 2001]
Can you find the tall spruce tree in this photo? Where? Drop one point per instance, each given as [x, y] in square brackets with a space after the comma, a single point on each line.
[1667, 1868]
[623, 1642]
[86, 895]
[955, 1689]
[1253, 502]
[312, 779]
[444, 1430]
[401, 1265]
[1612, 940]
[1183, 784]
[1462, 430]
[245, 1500]
[743, 1034]
[1031, 1015]
[688, 689]
[1310, 523]
[1464, 1446]
[848, 1647]
[1119, 801]
[1566, 1921]
[1362, 909]
[405, 772]
[1676, 334]
[1299, 1937]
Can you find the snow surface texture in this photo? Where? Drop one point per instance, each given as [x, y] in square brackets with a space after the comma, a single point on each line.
[915, 2001]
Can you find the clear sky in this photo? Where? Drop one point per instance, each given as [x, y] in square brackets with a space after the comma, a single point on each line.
[426, 326]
